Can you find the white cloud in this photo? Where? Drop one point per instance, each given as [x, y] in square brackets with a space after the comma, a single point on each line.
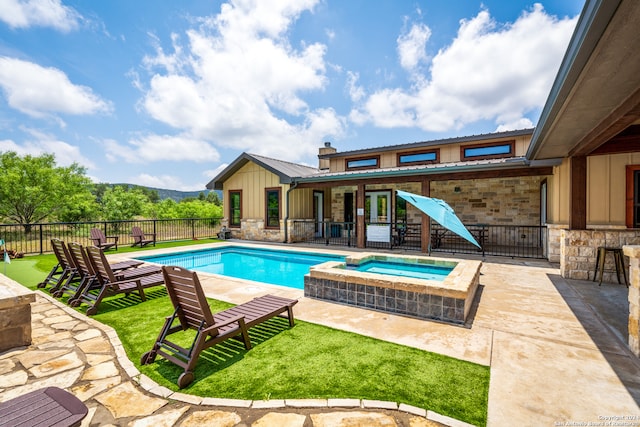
[163, 181]
[356, 92]
[412, 46]
[39, 13]
[489, 72]
[44, 92]
[42, 143]
[237, 82]
[154, 148]
[212, 173]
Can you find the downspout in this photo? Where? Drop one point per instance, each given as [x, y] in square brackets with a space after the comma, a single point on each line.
[293, 185]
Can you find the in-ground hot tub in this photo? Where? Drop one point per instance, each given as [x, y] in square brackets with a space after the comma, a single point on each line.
[447, 298]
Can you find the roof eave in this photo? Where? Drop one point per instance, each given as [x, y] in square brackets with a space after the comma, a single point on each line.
[591, 25]
[509, 164]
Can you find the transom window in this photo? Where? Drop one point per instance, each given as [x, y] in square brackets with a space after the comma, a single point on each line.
[422, 157]
[363, 162]
[273, 208]
[487, 151]
[235, 208]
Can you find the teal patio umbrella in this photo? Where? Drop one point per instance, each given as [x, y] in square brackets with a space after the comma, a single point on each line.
[440, 212]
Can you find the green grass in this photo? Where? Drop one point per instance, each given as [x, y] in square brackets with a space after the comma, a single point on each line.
[306, 361]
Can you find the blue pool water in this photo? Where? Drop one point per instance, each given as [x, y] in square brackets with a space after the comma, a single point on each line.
[284, 268]
[418, 271]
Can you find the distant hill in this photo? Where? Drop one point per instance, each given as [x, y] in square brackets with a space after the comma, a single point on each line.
[176, 195]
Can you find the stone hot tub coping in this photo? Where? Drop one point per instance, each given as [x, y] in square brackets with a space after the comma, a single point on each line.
[449, 300]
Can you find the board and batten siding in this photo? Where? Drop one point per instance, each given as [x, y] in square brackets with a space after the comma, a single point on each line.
[252, 179]
[606, 198]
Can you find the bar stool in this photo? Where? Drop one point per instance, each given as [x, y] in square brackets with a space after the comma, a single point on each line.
[618, 260]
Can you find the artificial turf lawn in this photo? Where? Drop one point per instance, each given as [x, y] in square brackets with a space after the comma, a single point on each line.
[306, 361]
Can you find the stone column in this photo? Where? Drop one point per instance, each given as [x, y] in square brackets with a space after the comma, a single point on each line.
[15, 314]
[633, 252]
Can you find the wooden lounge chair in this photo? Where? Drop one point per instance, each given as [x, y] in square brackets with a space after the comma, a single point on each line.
[141, 238]
[86, 273]
[110, 283]
[192, 312]
[50, 406]
[64, 271]
[101, 241]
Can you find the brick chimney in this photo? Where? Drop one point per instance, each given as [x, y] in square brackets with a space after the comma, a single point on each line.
[327, 149]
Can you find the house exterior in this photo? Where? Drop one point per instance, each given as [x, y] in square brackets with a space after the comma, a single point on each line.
[568, 186]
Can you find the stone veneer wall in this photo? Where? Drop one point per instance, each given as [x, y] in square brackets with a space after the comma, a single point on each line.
[414, 304]
[253, 229]
[578, 250]
[553, 242]
[508, 201]
[633, 252]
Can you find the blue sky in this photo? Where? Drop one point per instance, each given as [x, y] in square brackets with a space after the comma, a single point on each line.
[168, 93]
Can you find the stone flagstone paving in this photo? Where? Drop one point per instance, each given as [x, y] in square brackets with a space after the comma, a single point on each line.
[74, 352]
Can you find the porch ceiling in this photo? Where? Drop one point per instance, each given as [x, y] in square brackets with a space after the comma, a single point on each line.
[596, 94]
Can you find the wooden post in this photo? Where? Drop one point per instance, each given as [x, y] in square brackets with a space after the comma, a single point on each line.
[425, 229]
[578, 193]
[360, 226]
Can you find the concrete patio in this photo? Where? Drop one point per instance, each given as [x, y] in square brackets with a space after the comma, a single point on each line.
[556, 349]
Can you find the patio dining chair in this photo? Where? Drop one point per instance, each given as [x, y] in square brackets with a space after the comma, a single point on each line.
[191, 311]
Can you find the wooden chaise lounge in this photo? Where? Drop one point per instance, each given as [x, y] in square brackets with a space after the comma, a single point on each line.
[87, 275]
[192, 312]
[64, 270]
[109, 283]
[50, 406]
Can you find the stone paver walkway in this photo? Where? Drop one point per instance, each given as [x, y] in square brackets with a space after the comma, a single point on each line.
[74, 352]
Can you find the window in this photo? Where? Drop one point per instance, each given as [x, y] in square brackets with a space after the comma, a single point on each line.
[235, 208]
[363, 163]
[401, 210]
[273, 208]
[422, 157]
[487, 151]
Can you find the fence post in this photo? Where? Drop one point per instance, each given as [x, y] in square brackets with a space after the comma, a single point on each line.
[41, 245]
[193, 229]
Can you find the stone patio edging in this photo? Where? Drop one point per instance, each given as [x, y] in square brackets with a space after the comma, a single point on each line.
[154, 388]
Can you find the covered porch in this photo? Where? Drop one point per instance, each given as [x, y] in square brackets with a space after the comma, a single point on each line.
[505, 212]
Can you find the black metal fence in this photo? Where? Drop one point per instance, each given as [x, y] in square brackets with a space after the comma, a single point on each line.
[516, 241]
[37, 237]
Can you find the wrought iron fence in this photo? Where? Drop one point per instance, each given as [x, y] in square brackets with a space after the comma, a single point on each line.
[516, 241]
[37, 237]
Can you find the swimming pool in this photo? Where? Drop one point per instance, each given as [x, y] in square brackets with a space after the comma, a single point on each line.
[284, 268]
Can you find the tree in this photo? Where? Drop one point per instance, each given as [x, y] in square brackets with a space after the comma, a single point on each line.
[33, 188]
[120, 204]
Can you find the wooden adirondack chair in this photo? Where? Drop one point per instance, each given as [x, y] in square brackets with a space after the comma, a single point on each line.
[101, 241]
[192, 312]
[141, 238]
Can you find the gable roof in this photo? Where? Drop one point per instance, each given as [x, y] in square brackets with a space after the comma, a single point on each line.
[285, 170]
